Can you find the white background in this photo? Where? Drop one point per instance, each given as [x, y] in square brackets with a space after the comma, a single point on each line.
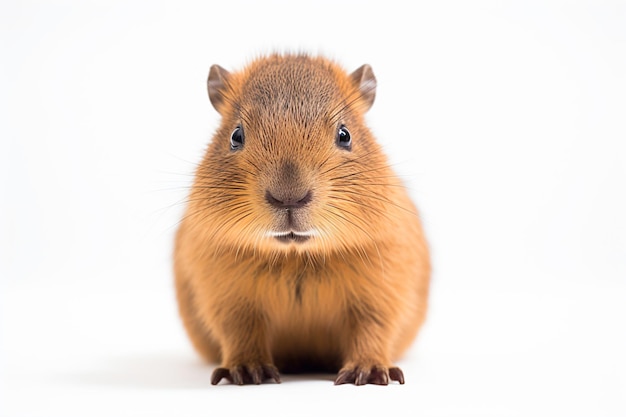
[505, 119]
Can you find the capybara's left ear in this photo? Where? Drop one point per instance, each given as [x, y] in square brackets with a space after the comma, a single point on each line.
[364, 78]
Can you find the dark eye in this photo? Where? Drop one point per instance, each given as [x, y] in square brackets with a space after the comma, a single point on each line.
[237, 139]
[344, 140]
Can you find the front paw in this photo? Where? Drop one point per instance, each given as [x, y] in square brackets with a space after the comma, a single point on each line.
[361, 375]
[246, 374]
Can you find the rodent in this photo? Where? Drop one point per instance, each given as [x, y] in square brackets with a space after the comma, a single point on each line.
[300, 249]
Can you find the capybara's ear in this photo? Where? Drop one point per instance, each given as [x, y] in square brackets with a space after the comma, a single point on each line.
[366, 82]
[217, 84]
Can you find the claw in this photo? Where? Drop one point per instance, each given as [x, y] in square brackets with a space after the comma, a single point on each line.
[242, 375]
[345, 376]
[219, 374]
[396, 375]
[257, 375]
[237, 374]
[271, 372]
[377, 375]
[362, 377]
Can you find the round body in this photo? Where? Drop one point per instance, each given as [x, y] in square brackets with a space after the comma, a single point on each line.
[300, 250]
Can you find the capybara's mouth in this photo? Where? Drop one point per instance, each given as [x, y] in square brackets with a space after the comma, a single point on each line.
[288, 237]
[292, 237]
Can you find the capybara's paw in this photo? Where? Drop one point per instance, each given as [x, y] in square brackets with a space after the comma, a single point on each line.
[246, 374]
[361, 375]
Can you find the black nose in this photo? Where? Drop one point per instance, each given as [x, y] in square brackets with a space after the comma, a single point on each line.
[288, 202]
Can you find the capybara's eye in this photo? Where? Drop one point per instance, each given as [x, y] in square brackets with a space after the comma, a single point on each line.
[344, 140]
[237, 139]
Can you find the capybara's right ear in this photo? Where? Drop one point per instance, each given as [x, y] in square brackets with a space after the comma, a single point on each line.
[217, 84]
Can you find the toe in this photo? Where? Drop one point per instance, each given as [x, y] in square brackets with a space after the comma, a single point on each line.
[238, 375]
[396, 375]
[219, 374]
[362, 376]
[271, 372]
[379, 376]
[345, 376]
[256, 374]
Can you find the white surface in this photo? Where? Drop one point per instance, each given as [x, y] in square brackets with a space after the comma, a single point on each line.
[506, 120]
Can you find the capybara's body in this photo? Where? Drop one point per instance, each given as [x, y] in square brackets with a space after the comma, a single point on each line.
[300, 250]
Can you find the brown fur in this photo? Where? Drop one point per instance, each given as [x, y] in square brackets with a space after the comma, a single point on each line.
[350, 298]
